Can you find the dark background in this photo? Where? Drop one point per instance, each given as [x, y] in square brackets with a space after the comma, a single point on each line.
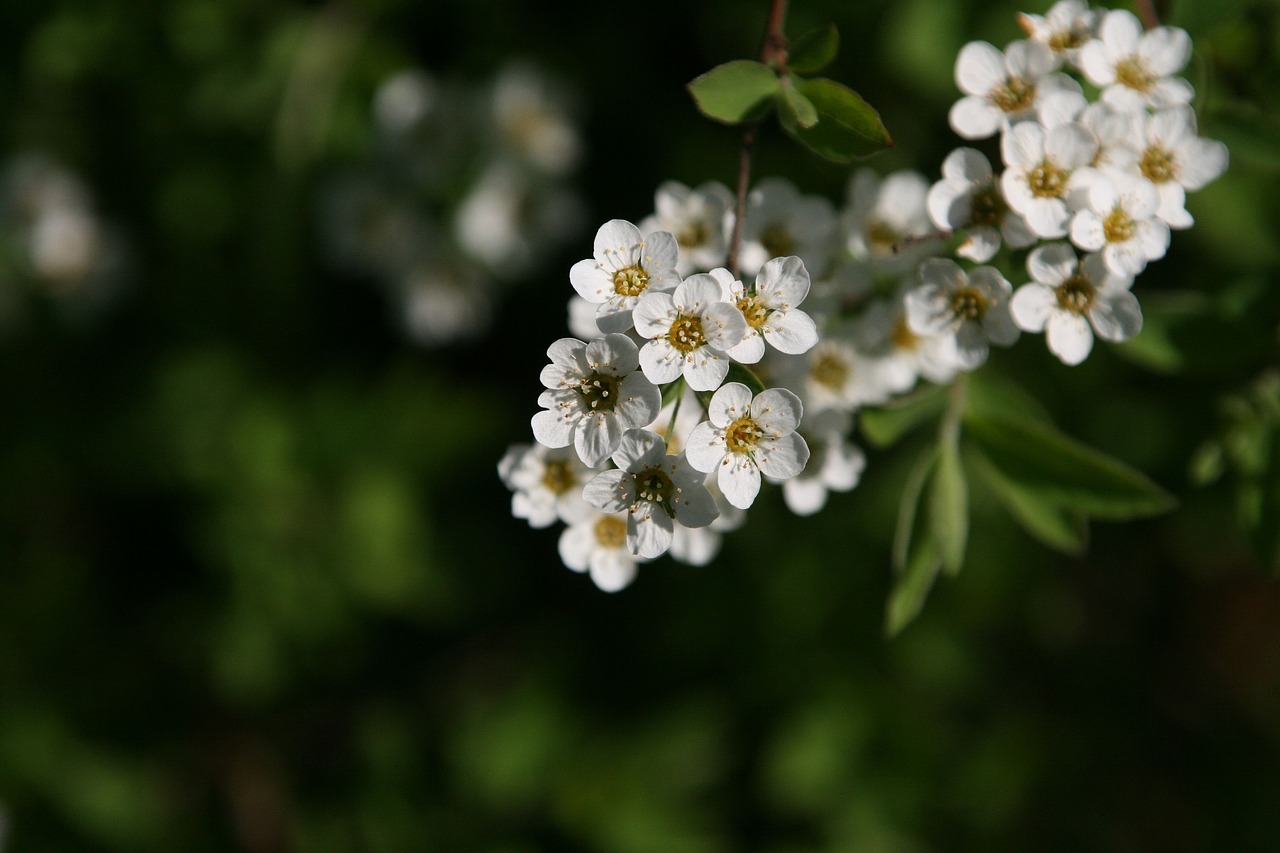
[260, 588]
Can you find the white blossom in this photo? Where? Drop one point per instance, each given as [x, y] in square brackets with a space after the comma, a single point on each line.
[974, 308]
[836, 464]
[780, 221]
[595, 392]
[597, 544]
[689, 331]
[626, 266]
[1171, 155]
[1067, 296]
[1121, 223]
[655, 489]
[1064, 29]
[1001, 88]
[1135, 68]
[970, 197]
[770, 311]
[1041, 172]
[700, 220]
[546, 483]
[746, 436]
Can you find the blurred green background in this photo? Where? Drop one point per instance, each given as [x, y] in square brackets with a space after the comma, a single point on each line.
[260, 588]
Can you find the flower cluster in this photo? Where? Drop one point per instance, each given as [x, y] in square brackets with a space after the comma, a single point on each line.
[466, 190]
[684, 387]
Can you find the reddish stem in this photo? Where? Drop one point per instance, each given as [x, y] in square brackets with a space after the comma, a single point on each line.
[1147, 13]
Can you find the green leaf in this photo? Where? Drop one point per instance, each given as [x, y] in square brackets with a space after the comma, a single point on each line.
[795, 108]
[745, 375]
[1065, 472]
[1037, 514]
[909, 506]
[814, 50]
[912, 586]
[848, 127]
[884, 425]
[949, 506]
[736, 92]
[990, 393]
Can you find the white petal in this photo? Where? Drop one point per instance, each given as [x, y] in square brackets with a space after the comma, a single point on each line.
[731, 402]
[610, 491]
[1117, 318]
[966, 166]
[975, 118]
[749, 350]
[660, 362]
[704, 369]
[597, 438]
[592, 283]
[804, 495]
[1206, 160]
[705, 447]
[777, 410]
[639, 449]
[617, 352]
[649, 531]
[1087, 231]
[616, 235]
[791, 332]
[1165, 50]
[552, 429]
[1069, 337]
[1052, 264]
[575, 546]
[653, 314]
[612, 569]
[783, 282]
[739, 481]
[1031, 305]
[784, 457]
[979, 67]
[723, 325]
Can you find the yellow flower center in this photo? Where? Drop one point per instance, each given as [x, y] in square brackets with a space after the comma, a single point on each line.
[1014, 95]
[830, 371]
[988, 206]
[777, 241]
[1048, 180]
[686, 333]
[558, 477]
[1118, 226]
[902, 337]
[599, 392]
[881, 237]
[1068, 39]
[630, 281]
[610, 532]
[741, 435]
[968, 303]
[1132, 72]
[693, 234]
[654, 485]
[1075, 294]
[1157, 165]
[755, 313]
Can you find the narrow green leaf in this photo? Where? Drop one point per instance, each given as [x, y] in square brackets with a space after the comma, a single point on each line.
[1066, 472]
[909, 507]
[736, 92]
[912, 586]
[848, 127]
[1043, 519]
[949, 506]
[884, 425]
[814, 50]
[795, 108]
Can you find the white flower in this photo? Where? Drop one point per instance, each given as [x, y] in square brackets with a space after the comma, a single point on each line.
[974, 308]
[779, 221]
[532, 113]
[1064, 29]
[1135, 67]
[1002, 88]
[1173, 157]
[1116, 133]
[883, 331]
[1067, 296]
[597, 543]
[689, 331]
[546, 483]
[770, 310]
[884, 215]
[834, 374]
[655, 489]
[969, 197]
[746, 437]
[594, 393]
[625, 267]
[700, 220]
[1120, 221]
[835, 466]
[1041, 172]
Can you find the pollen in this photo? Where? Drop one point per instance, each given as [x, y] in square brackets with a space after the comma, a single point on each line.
[1132, 72]
[742, 435]
[599, 391]
[968, 304]
[988, 206]
[777, 241]
[654, 485]
[686, 333]
[755, 313]
[1076, 294]
[610, 532]
[830, 371]
[1048, 180]
[558, 477]
[1158, 165]
[630, 281]
[1118, 226]
[1014, 95]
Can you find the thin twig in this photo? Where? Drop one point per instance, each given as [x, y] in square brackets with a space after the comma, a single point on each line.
[1147, 12]
[773, 51]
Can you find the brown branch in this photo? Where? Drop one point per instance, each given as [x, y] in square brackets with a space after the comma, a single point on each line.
[773, 51]
[1147, 13]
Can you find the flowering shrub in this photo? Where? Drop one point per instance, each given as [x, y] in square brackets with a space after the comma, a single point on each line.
[778, 318]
